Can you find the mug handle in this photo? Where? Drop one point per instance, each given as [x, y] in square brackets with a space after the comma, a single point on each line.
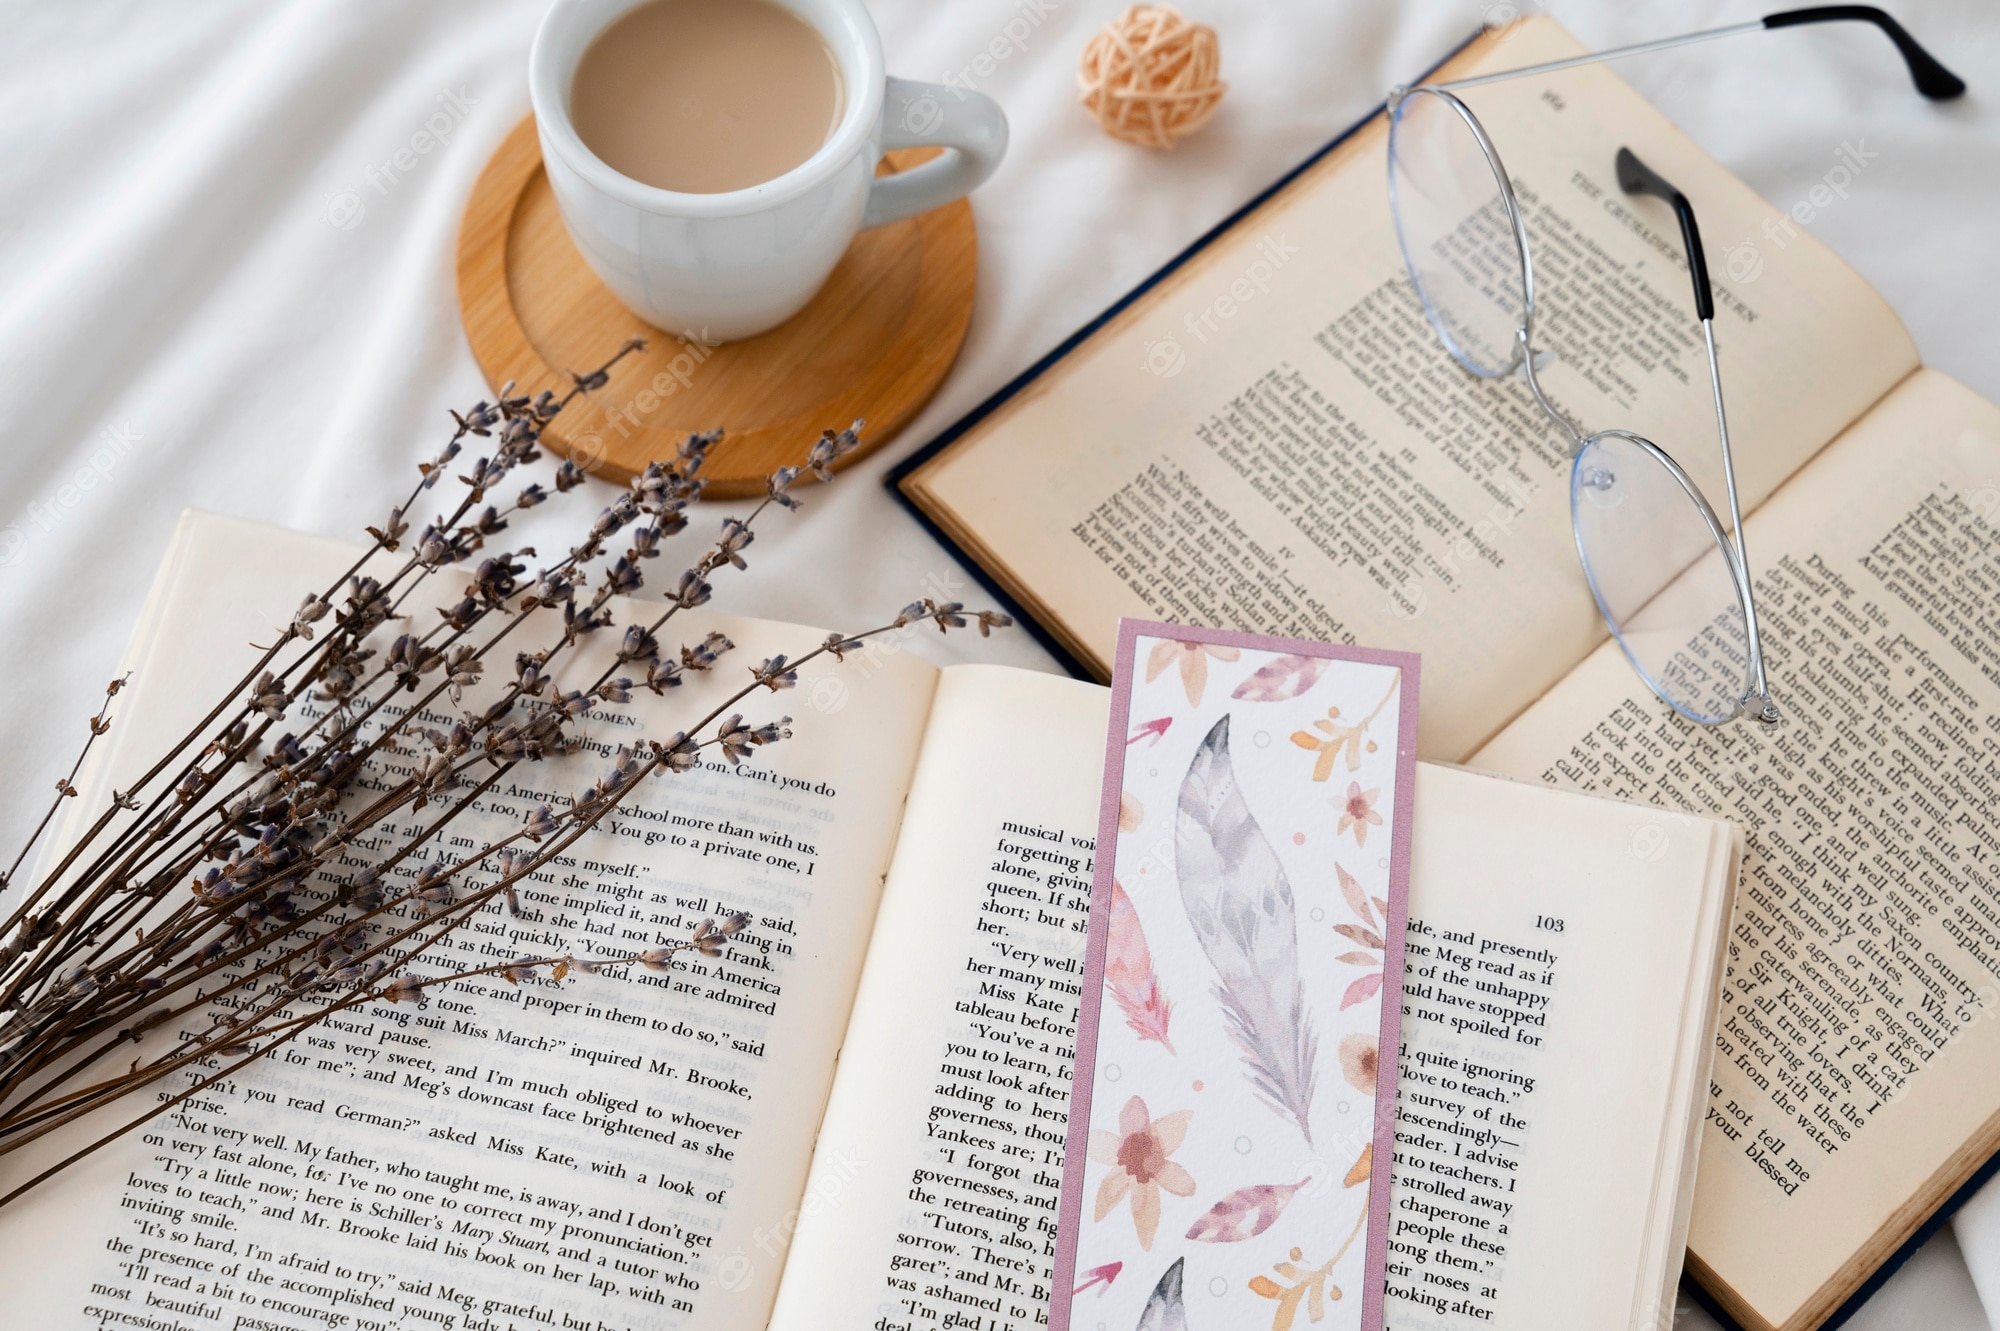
[968, 125]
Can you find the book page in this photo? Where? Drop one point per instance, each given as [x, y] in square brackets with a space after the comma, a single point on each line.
[1562, 962]
[1273, 439]
[1857, 1068]
[601, 1153]
[932, 1201]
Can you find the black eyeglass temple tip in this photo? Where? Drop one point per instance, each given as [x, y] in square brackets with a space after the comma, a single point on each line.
[1932, 78]
[1635, 177]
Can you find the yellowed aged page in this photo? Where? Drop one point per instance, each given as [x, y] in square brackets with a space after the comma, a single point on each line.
[1275, 440]
[1563, 955]
[1857, 1070]
[605, 1151]
[934, 1185]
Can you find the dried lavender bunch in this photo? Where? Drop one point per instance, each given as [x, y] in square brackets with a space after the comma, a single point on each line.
[207, 895]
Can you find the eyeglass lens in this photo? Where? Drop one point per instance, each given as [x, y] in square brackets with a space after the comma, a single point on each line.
[1457, 237]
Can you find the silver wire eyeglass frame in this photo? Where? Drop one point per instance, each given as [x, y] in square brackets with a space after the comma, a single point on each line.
[1932, 79]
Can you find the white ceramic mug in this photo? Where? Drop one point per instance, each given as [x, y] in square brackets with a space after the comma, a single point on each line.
[725, 266]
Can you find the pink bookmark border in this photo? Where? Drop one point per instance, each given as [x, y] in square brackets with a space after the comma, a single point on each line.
[1083, 1082]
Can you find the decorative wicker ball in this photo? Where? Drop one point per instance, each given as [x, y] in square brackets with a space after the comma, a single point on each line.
[1151, 77]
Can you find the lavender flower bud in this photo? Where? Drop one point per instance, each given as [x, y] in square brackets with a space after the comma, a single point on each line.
[391, 533]
[639, 645]
[736, 738]
[704, 653]
[623, 578]
[678, 754]
[432, 551]
[778, 488]
[461, 616]
[774, 675]
[735, 537]
[692, 591]
[311, 610]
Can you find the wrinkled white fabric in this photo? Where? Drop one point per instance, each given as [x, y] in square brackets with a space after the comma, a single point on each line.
[216, 288]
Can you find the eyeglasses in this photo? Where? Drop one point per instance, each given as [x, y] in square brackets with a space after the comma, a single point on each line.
[1671, 581]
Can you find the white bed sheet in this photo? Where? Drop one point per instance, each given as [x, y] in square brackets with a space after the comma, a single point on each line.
[211, 294]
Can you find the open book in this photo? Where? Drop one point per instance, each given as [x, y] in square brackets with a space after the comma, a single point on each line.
[617, 1153]
[636, 1151]
[1271, 438]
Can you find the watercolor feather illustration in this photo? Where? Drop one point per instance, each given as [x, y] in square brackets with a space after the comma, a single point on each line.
[1128, 973]
[1167, 1309]
[1239, 904]
[1244, 1214]
[1280, 678]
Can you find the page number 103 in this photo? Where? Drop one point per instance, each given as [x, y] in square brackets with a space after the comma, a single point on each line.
[1549, 922]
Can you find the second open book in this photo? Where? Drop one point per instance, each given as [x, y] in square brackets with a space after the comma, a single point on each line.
[856, 1118]
[1272, 438]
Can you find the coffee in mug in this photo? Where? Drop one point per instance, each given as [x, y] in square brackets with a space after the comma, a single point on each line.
[706, 96]
[712, 159]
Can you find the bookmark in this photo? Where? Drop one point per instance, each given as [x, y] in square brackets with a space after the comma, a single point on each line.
[1233, 1111]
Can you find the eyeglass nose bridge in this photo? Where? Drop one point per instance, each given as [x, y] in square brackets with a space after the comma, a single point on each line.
[1524, 357]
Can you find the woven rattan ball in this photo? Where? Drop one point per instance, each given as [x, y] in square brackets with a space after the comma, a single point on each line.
[1151, 77]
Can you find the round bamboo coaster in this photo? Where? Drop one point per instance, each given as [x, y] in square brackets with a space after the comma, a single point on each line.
[874, 343]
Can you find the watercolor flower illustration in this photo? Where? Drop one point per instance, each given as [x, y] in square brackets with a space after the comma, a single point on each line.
[1360, 1056]
[1372, 947]
[1130, 811]
[1192, 660]
[1357, 811]
[1302, 1286]
[1312, 1287]
[1140, 1168]
[1335, 740]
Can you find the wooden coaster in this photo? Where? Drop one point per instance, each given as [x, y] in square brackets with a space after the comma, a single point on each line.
[874, 343]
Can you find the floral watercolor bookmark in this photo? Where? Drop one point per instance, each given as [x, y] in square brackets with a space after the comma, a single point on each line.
[1234, 1103]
